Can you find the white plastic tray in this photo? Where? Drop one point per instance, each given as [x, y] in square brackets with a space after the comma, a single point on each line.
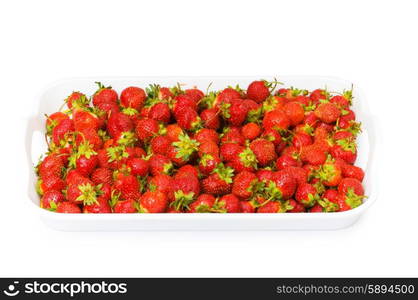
[52, 98]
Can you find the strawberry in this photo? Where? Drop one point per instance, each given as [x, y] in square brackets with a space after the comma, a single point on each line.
[146, 129]
[208, 163]
[295, 112]
[245, 160]
[316, 208]
[287, 160]
[160, 164]
[295, 207]
[300, 174]
[317, 95]
[53, 120]
[327, 112]
[271, 207]
[351, 171]
[264, 151]
[205, 134]
[160, 144]
[102, 205]
[313, 155]
[235, 112]
[85, 120]
[245, 185]
[173, 132]
[208, 147]
[102, 176]
[77, 99]
[265, 175]
[229, 151]
[162, 183]
[132, 97]
[274, 103]
[187, 170]
[232, 135]
[307, 195]
[127, 185]
[194, 94]
[344, 149]
[183, 150]
[187, 118]
[258, 91]
[186, 189]
[48, 183]
[61, 132]
[349, 200]
[330, 174]
[352, 184]
[301, 140]
[274, 137]
[118, 123]
[160, 112]
[183, 101]
[104, 95]
[210, 118]
[51, 165]
[219, 182]
[230, 203]
[125, 207]
[153, 202]
[254, 110]
[85, 193]
[285, 183]
[227, 95]
[138, 166]
[203, 204]
[250, 131]
[276, 119]
[68, 208]
[51, 199]
[341, 101]
[247, 207]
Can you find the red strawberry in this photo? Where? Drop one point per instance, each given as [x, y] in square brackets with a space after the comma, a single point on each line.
[160, 112]
[127, 185]
[187, 170]
[276, 119]
[48, 183]
[300, 174]
[85, 120]
[312, 155]
[352, 184]
[344, 149]
[272, 207]
[85, 193]
[245, 185]
[205, 134]
[307, 195]
[349, 200]
[264, 151]
[247, 207]
[235, 112]
[146, 129]
[133, 97]
[68, 208]
[232, 135]
[330, 174]
[203, 204]
[250, 131]
[317, 95]
[227, 95]
[229, 151]
[102, 205]
[51, 199]
[258, 91]
[104, 94]
[62, 131]
[195, 94]
[125, 207]
[102, 176]
[77, 99]
[219, 182]
[182, 101]
[153, 202]
[285, 183]
[210, 118]
[160, 144]
[162, 183]
[296, 206]
[53, 120]
[274, 137]
[208, 147]
[160, 164]
[287, 160]
[265, 175]
[340, 101]
[295, 112]
[208, 163]
[118, 123]
[51, 165]
[138, 166]
[254, 110]
[351, 171]
[187, 118]
[230, 203]
[245, 160]
[327, 112]
[173, 132]
[300, 140]
[186, 189]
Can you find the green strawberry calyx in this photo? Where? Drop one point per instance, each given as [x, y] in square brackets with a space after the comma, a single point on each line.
[182, 200]
[88, 194]
[248, 158]
[185, 147]
[224, 173]
[352, 199]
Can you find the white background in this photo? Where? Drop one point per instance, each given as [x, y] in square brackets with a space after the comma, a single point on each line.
[373, 43]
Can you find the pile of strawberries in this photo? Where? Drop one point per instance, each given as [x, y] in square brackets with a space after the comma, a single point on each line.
[175, 150]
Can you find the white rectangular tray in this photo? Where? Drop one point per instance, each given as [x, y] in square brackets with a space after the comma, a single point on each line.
[52, 98]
